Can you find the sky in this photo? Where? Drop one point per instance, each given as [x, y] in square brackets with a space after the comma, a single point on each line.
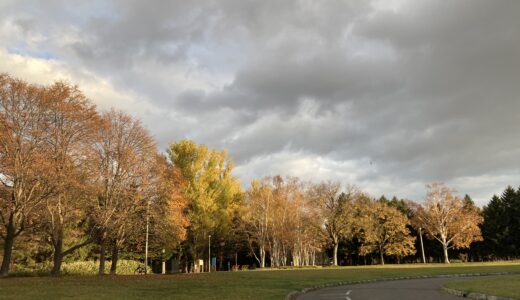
[387, 95]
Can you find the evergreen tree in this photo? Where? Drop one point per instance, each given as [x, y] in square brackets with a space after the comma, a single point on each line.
[501, 227]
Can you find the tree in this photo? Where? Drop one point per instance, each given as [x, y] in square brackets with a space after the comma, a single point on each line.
[124, 154]
[258, 217]
[383, 228]
[168, 218]
[305, 233]
[23, 161]
[400, 204]
[501, 226]
[279, 220]
[72, 122]
[335, 209]
[213, 192]
[446, 218]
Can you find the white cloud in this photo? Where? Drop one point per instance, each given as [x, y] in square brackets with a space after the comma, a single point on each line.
[386, 94]
[44, 71]
[314, 168]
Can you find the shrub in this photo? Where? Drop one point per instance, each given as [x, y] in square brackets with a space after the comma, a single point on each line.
[124, 267]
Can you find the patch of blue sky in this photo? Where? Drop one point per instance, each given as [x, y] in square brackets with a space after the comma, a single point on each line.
[80, 13]
[88, 10]
[222, 58]
[41, 54]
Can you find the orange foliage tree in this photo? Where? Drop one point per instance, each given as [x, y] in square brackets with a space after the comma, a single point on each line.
[447, 218]
[70, 132]
[125, 154]
[23, 161]
[168, 217]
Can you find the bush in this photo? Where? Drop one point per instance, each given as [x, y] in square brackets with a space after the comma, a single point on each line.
[124, 267]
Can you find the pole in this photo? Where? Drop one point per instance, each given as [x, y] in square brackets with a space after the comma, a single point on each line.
[422, 246]
[209, 253]
[163, 271]
[146, 243]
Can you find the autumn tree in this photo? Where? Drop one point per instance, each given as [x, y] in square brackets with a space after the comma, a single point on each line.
[280, 221]
[71, 126]
[167, 212]
[258, 217]
[335, 209]
[305, 233]
[284, 230]
[23, 161]
[159, 205]
[214, 193]
[124, 155]
[383, 229]
[446, 218]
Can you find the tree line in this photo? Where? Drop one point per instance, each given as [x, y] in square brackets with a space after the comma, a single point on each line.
[294, 221]
[72, 176]
[78, 183]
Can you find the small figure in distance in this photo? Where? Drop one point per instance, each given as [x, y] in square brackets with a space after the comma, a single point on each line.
[139, 270]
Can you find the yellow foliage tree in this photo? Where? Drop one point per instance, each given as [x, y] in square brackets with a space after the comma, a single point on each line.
[214, 193]
[382, 228]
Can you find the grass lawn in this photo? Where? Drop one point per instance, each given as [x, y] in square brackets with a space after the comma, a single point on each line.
[261, 284]
[505, 286]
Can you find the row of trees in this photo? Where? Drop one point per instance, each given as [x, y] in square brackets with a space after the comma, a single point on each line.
[291, 220]
[70, 176]
[75, 179]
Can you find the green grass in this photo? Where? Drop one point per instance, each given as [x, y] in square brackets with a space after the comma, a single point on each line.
[505, 286]
[274, 284]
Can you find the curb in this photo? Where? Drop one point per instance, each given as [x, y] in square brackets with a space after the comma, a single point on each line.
[473, 295]
[294, 294]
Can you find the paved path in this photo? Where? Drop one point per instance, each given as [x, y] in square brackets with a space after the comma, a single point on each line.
[412, 289]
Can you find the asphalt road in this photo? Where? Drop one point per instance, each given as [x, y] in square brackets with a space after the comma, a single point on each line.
[412, 289]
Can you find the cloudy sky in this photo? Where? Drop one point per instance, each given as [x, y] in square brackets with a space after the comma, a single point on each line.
[388, 95]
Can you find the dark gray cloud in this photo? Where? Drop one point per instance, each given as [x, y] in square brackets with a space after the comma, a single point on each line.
[386, 94]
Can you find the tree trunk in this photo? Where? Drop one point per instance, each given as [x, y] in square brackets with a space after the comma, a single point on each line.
[8, 247]
[102, 258]
[335, 258]
[115, 257]
[445, 248]
[58, 257]
[422, 246]
[381, 255]
[262, 257]
[59, 254]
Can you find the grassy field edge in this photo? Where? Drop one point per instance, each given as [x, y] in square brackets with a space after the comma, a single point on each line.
[507, 287]
[256, 284]
[294, 294]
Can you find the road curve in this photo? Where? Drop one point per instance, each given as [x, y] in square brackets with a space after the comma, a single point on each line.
[410, 289]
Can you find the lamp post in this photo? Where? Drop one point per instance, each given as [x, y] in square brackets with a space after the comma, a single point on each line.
[422, 246]
[209, 253]
[163, 262]
[146, 243]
